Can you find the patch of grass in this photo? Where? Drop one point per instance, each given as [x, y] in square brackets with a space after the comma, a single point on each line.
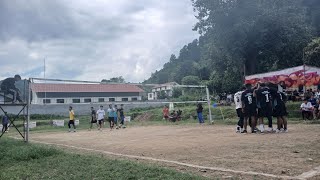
[31, 161]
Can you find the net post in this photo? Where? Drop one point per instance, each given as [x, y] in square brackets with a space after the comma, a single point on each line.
[209, 104]
[28, 110]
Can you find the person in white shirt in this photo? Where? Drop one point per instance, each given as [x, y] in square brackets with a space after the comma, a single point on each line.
[100, 117]
[238, 103]
[306, 109]
[317, 94]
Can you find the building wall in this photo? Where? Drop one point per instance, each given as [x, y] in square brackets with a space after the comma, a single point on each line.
[51, 98]
[80, 109]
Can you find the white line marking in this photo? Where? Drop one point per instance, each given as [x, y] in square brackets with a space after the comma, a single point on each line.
[169, 161]
[309, 174]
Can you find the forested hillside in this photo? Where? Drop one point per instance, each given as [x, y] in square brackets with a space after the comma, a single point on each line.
[245, 37]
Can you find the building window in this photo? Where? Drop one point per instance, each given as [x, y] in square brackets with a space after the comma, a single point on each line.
[46, 101]
[136, 99]
[125, 99]
[87, 100]
[112, 99]
[101, 99]
[75, 100]
[60, 101]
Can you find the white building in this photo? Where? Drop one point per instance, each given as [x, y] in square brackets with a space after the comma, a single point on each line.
[84, 93]
[166, 88]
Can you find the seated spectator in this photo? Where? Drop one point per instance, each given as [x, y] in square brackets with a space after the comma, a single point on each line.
[316, 112]
[313, 101]
[179, 114]
[306, 110]
[317, 94]
[308, 94]
[173, 116]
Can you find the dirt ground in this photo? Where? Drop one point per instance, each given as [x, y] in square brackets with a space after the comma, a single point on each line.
[217, 149]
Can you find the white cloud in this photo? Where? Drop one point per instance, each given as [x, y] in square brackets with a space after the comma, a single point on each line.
[96, 39]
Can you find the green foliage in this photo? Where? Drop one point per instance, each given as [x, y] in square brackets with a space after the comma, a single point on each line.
[244, 37]
[162, 95]
[176, 92]
[190, 80]
[312, 53]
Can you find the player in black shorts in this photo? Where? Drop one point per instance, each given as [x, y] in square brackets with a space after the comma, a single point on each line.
[93, 118]
[280, 110]
[249, 108]
[264, 104]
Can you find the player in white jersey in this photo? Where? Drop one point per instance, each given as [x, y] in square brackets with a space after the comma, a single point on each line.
[238, 103]
[100, 116]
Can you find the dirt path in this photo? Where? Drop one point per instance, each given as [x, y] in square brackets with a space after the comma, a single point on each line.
[290, 154]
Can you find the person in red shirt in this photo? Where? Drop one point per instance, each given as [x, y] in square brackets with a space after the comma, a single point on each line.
[165, 112]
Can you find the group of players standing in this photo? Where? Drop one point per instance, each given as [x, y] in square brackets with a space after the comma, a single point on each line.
[114, 114]
[98, 117]
[265, 100]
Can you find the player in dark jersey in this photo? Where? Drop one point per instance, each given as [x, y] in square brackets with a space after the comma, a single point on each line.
[280, 111]
[264, 104]
[121, 114]
[249, 108]
[93, 118]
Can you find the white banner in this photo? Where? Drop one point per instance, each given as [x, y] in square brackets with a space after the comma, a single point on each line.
[58, 123]
[127, 119]
[32, 124]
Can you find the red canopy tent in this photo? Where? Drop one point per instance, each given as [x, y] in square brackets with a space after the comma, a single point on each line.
[304, 75]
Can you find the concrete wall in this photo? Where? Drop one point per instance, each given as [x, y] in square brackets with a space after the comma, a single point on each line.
[80, 109]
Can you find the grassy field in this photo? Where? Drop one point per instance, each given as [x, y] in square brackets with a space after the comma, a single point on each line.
[153, 116]
[30, 161]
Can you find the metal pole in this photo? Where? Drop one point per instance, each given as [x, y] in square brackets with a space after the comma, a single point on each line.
[209, 104]
[304, 78]
[28, 110]
[24, 111]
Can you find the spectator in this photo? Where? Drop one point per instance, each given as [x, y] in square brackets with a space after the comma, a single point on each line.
[313, 101]
[307, 94]
[8, 85]
[165, 112]
[317, 94]
[316, 110]
[306, 109]
[199, 112]
[5, 121]
[179, 114]
[173, 116]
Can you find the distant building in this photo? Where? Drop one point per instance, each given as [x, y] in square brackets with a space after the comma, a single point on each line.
[166, 88]
[84, 93]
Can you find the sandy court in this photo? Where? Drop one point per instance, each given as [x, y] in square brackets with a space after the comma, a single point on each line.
[285, 154]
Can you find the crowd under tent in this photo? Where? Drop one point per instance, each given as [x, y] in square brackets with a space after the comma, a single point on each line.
[294, 78]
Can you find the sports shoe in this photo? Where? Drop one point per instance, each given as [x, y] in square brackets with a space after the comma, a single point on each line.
[74, 130]
[285, 130]
[270, 130]
[282, 130]
[69, 130]
[278, 131]
[254, 131]
[238, 129]
[261, 128]
[244, 131]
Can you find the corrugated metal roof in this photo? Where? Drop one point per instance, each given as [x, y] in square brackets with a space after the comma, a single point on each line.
[41, 87]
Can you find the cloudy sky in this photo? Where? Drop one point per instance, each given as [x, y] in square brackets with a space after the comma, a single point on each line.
[92, 40]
